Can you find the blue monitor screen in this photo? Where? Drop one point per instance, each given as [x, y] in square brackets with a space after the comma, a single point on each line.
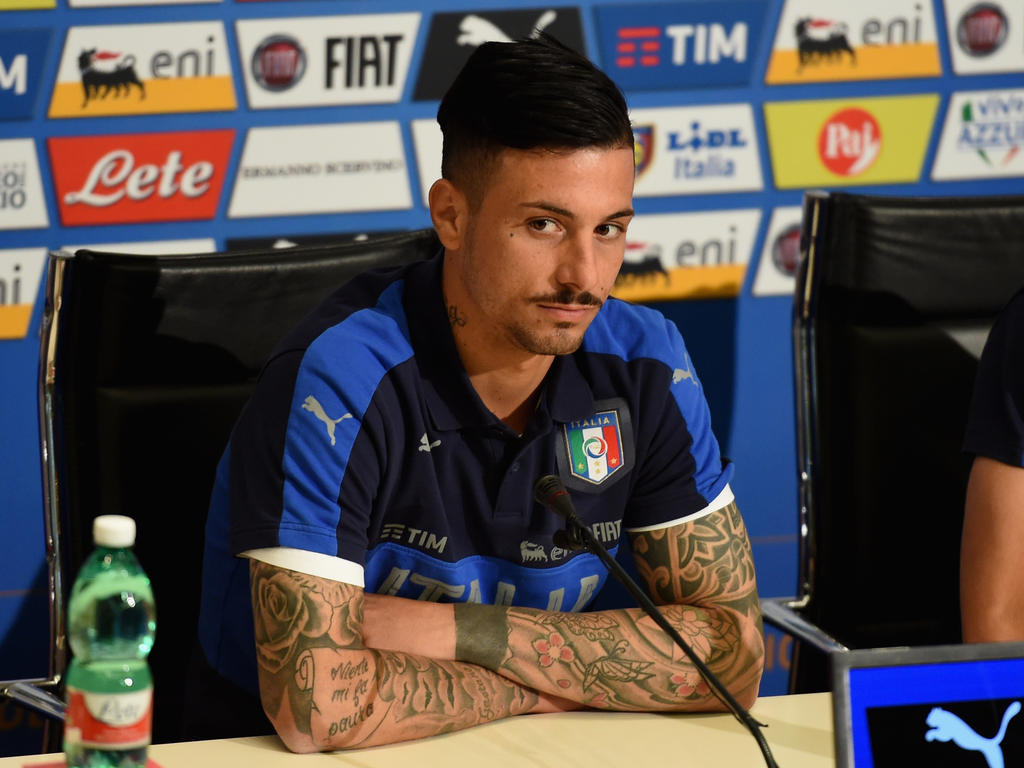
[930, 715]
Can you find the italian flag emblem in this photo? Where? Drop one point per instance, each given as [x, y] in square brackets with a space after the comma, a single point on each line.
[595, 446]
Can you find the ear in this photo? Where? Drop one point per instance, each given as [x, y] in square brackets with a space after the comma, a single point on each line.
[449, 212]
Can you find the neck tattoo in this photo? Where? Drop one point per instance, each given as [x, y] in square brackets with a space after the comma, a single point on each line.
[454, 317]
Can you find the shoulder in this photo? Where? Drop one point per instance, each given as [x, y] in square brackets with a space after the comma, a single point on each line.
[632, 332]
[340, 352]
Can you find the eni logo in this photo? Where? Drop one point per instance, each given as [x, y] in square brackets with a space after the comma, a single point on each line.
[945, 726]
[312, 405]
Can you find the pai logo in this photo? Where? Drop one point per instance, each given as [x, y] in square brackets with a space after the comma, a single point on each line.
[849, 141]
[137, 69]
[139, 177]
[867, 40]
[680, 45]
[879, 140]
[20, 270]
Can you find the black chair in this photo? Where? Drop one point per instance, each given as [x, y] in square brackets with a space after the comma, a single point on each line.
[894, 300]
[146, 363]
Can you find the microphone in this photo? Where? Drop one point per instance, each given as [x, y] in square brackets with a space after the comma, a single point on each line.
[550, 493]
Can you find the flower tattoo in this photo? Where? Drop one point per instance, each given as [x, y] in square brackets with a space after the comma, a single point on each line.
[552, 649]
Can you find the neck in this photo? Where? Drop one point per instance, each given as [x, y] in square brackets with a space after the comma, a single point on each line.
[510, 392]
[506, 378]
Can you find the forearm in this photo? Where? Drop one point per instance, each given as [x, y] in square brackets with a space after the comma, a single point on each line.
[323, 689]
[991, 569]
[619, 660]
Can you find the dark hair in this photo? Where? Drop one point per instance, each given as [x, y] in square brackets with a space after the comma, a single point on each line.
[533, 93]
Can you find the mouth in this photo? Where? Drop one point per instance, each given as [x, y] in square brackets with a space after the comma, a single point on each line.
[568, 313]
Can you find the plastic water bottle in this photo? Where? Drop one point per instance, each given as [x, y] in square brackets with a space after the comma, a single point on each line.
[111, 626]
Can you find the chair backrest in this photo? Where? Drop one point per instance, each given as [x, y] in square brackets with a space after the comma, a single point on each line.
[147, 362]
[894, 301]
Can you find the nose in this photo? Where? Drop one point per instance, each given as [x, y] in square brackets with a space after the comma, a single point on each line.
[577, 268]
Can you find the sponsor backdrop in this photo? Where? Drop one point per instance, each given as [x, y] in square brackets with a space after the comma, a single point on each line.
[174, 125]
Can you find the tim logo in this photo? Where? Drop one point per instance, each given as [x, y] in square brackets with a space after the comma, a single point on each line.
[669, 45]
[821, 40]
[108, 73]
[947, 727]
[139, 177]
[849, 142]
[22, 53]
[981, 30]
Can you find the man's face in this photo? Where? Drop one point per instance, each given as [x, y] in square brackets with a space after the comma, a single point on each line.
[542, 248]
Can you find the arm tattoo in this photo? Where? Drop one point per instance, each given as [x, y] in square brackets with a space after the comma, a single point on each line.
[702, 572]
[323, 689]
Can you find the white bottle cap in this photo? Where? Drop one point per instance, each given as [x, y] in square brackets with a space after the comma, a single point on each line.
[114, 531]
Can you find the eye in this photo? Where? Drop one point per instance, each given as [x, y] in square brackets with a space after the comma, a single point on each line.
[610, 230]
[543, 225]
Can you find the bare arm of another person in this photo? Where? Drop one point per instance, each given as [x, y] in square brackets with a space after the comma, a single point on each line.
[702, 573]
[323, 689]
[991, 559]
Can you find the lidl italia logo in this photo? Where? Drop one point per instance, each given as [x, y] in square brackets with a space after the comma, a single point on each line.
[595, 446]
[20, 270]
[136, 69]
[842, 142]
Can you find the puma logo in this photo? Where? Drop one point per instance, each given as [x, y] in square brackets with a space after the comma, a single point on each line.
[680, 374]
[426, 445]
[945, 726]
[476, 30]
[312, 405]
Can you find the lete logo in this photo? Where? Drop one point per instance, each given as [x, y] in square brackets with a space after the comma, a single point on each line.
[139, 177]
[849, 142]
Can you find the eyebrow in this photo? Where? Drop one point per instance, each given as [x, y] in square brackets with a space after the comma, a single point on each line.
[569, 214]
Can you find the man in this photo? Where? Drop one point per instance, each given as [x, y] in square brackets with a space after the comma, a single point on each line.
[379, 484]
[991, 567]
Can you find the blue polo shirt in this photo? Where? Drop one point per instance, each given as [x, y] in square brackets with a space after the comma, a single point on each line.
[365, 455]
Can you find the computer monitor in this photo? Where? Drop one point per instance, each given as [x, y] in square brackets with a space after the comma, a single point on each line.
[929, 706]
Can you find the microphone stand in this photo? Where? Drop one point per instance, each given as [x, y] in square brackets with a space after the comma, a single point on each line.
[578, 536]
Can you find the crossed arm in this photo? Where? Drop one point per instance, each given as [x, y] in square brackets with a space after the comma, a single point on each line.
[339, 668]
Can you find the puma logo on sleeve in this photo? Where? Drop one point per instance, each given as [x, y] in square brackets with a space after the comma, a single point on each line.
[312, 405]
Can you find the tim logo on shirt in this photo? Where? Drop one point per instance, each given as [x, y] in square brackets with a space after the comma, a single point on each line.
[679, 45]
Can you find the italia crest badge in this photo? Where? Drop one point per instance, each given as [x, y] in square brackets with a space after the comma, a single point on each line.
[595, 446]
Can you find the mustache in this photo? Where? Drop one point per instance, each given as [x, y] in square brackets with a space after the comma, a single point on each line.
[568, 297]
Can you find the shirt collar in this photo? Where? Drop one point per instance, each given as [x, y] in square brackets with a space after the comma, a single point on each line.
[449, 396]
